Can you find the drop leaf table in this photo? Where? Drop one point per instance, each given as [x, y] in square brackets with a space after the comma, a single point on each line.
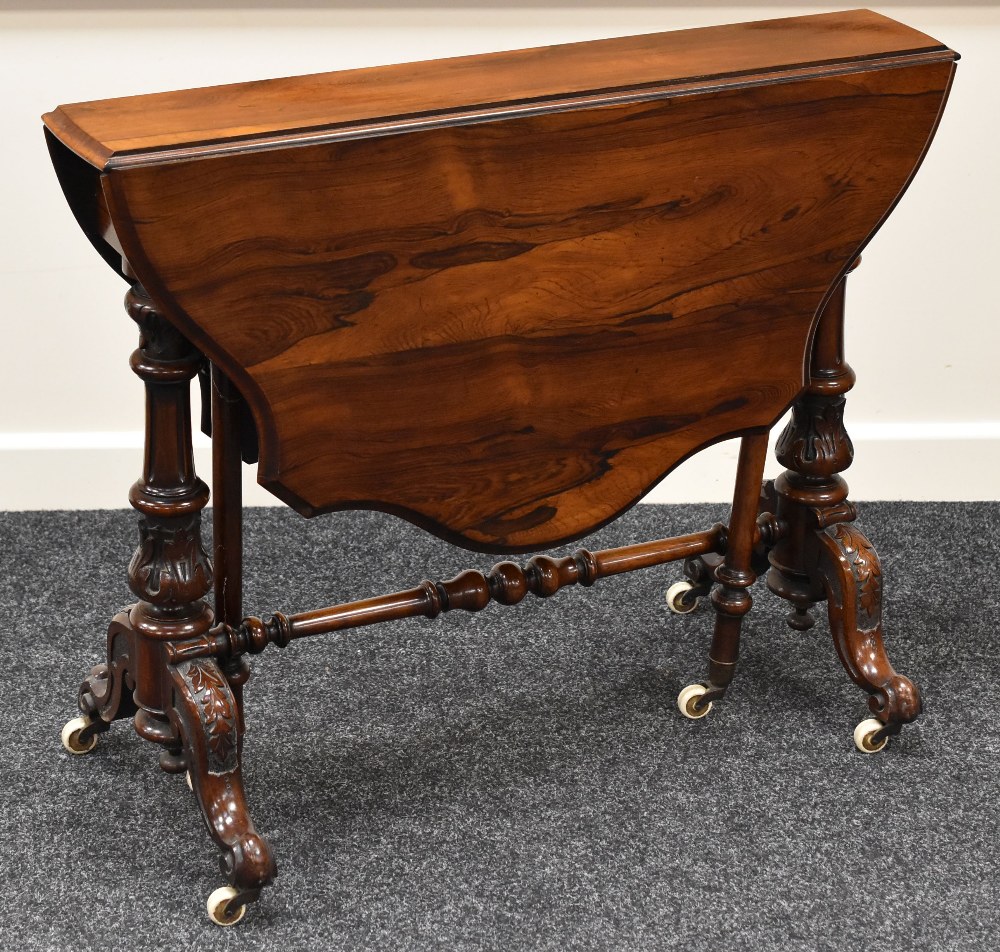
[500, 296]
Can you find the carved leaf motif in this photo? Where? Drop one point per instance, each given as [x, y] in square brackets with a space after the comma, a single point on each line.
[217, 711]
[865, 568]
[815, 442]
[170, 567]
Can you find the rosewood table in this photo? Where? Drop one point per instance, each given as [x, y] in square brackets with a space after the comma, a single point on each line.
[500, 296]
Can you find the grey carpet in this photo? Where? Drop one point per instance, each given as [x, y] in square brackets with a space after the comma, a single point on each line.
[519, 779]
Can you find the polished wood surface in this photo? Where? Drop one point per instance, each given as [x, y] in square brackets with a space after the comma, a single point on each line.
[820, 553]
[528, 310]
[501, 297]
[144, 128]
[507, 583]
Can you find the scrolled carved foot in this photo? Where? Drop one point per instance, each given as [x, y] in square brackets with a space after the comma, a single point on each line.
[106, 693]
[852, 576]
[206, 714]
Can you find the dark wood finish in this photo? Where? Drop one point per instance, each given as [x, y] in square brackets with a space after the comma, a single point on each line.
[500, 296]
[507, 583]
[735, 575]
[106, 693]
[538, 321]
[227, 504]
[821, 555]
[170, 572]
[701, 570]
[189, 709]
[852, 579]
[227, 519]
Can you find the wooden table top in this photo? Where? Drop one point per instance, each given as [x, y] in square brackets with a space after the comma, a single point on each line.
[504, 295]
[352, 102]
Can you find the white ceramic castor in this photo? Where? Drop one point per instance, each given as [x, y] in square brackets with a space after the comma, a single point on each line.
[187, 778]
[687, 699]
[674, 595]
[71, 736]
[217, 907]
[864, 731]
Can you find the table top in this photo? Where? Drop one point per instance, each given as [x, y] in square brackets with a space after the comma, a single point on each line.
[503, 296]
[198, 121]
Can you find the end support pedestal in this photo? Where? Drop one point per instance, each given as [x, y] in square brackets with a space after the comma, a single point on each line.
[822, 556]
[192, 710]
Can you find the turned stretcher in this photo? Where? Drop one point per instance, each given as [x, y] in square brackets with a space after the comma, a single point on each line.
[502, 297]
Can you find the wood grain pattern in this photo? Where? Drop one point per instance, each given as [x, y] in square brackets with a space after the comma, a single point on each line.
[115, 129]
[501, 297]
[508, 328]
[509, 332]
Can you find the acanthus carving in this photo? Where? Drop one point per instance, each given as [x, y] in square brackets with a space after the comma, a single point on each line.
[216, 708]
[853, 581]
[863, 561]
[159, 340]
[170, 568]
[815, 442]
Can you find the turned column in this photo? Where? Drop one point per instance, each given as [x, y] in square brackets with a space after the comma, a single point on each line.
[170, 572]
[731, 596]
[814, 448]
[821, 554]
[189, 708]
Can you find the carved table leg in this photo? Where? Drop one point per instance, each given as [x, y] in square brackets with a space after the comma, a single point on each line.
[820, 555]
[182, 709]
[206, 714]
[730, 597]
[106, 693]
[852, 579]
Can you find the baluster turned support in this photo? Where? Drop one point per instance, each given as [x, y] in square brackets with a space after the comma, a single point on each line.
[170, 572]
[822, 556]
[190, 710]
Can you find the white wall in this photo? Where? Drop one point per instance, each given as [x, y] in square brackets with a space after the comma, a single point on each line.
[923, 330]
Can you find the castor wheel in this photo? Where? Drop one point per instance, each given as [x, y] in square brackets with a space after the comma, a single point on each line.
[688, 699]
[217, 905]
[678, 599]
[865, 731]
[187, 779]
[71, 736]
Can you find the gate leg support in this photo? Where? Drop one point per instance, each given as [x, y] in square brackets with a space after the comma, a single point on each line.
[736, 574]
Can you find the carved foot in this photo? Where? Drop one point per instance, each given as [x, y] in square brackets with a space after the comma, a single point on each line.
[206, 714]
[106, 693]
[852, 576]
